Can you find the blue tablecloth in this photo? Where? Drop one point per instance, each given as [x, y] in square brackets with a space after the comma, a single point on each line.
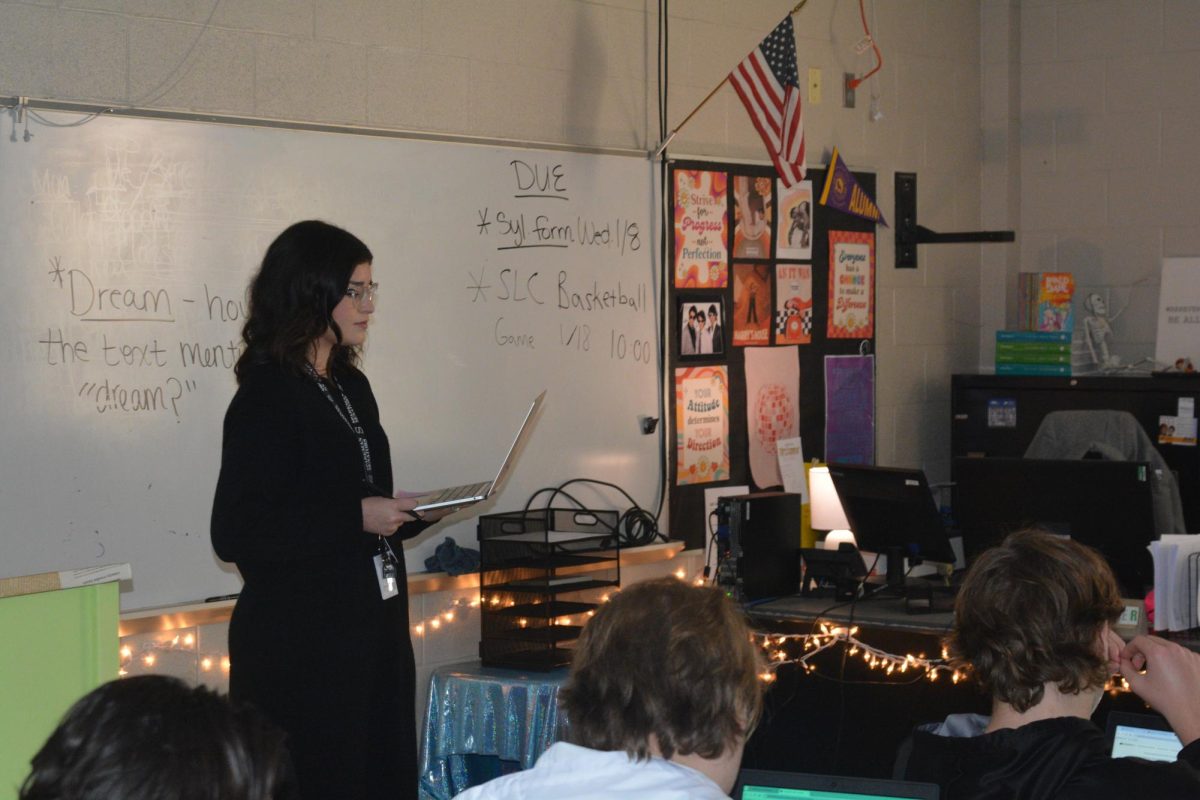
[475, 710]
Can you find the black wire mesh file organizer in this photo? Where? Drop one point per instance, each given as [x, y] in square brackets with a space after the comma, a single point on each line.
[542, 575]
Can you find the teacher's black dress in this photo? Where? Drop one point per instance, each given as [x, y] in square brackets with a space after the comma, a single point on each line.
[312, 643]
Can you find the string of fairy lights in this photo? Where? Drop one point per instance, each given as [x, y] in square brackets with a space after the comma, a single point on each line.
[149, 654]
[798, 650]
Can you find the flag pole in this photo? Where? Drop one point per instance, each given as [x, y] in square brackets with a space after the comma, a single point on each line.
[686, 119]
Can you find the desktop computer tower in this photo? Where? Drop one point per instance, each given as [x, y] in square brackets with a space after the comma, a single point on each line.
[759, 554]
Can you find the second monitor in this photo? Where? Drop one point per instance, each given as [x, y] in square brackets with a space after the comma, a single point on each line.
[1104, 504]
[891, 511]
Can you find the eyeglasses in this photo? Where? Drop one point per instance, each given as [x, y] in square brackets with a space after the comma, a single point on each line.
[360, 293]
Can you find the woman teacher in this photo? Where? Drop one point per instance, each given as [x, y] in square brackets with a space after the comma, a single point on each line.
[319, 636]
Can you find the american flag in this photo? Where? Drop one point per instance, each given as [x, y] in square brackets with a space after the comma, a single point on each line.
[769, 85]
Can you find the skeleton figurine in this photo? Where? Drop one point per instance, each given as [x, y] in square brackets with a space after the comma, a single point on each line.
[1097, 326]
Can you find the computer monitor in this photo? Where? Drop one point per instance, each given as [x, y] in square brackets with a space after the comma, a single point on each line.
[1104, 504]
[891, 511]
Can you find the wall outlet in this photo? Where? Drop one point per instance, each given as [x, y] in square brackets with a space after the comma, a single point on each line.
[848, 90]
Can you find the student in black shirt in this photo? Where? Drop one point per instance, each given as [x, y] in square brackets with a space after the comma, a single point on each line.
[1033, 627]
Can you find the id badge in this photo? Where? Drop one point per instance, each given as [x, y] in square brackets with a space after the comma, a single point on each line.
[385, 573]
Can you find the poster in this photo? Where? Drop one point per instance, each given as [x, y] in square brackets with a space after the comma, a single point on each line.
[1177, 346]
[772, 408]
[850, 409]
[851, 285]
[751, 305]
[752, 207]
[793, 304]
[793, 232]
[701, 424]
[701, 227]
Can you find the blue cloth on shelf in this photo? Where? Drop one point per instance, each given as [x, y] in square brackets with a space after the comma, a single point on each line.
[452, 559]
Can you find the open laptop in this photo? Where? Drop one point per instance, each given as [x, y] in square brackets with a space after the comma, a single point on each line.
[475, 492]
[1145, 736]
[761, 784]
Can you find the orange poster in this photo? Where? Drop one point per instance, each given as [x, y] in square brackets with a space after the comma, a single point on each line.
[702, 424]
[793, 304]
[851, 285]
[701, 227]
[751, 305]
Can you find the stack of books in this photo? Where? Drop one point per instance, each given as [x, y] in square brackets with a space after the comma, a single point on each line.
[1044, 301]
[1033, 352]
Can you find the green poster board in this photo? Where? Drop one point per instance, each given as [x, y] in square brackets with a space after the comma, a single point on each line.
[56, 647]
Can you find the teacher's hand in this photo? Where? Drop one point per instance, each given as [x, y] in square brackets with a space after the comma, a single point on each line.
[384, 515]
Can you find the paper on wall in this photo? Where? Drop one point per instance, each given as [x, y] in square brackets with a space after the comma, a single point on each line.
[1177, 344]
[772, 408]
[791, 467]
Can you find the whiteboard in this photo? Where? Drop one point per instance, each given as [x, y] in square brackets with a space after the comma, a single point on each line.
[126, 248]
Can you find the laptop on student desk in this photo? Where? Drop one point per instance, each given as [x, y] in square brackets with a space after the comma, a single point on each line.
[761, 784]
[475, 492]
[1143, 736]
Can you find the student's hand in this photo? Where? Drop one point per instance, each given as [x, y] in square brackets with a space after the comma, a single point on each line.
[384, 515]
[1112, 645]
[1167, 677]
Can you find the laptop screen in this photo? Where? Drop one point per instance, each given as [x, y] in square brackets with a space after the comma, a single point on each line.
[756, 784]
[1142, 736]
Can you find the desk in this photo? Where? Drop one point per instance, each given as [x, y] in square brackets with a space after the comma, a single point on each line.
[482, 711]
[845, 718]
[883, 612]
[818, 723]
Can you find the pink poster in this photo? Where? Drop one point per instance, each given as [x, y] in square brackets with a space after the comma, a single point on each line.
[702, 424]
[772, 408]
[851, 285]
[701, 228]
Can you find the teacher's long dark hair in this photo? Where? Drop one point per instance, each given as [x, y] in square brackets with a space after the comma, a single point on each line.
[303, 276]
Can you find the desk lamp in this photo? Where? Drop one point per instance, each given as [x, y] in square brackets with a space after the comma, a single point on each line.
[826, 507]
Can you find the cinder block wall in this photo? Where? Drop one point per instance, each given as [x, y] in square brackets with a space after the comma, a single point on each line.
[1095, 103]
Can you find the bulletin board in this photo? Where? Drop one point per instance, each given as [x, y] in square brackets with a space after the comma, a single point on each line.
[738, 233]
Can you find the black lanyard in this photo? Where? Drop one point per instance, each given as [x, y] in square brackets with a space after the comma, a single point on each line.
[351, 421]
[390, 559]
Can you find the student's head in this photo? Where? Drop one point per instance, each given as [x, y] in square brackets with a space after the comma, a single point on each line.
[1031, 612]
[712, 313]
[665, 666]
[303, 277]
[155, 738]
